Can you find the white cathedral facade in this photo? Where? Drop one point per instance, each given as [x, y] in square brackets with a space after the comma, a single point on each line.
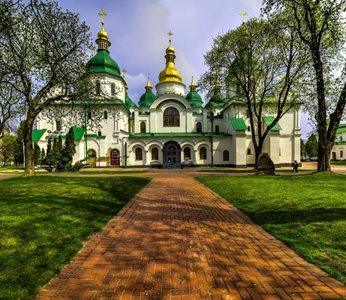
[170, 126]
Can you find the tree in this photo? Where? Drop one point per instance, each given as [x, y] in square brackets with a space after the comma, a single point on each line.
[302, 148]
[7, 149]
[43, 157]
[261, 63]
[68, 151]
[311, 146]
[49, 159]
[18, 148]
[44, 55]
[320, 26]
[37, 155]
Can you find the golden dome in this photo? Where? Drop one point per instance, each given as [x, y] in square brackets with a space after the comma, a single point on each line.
[170, 49]
[102, 34]
[170, 73]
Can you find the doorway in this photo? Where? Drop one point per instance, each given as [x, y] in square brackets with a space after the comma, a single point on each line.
[115, 158]
[171, 155]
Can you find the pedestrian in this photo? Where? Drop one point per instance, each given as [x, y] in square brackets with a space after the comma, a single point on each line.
[295, 167]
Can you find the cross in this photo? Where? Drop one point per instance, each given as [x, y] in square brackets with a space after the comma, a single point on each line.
[124, 72]
[243, 15]
[102, 14]
[148, 76]
[170, 36]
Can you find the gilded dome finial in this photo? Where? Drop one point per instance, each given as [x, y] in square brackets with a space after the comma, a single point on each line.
[193, 84]
[243, 15]
[148, 86]
[102, 35]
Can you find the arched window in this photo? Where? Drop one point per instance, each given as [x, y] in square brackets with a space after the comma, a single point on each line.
[98, 87]
[154, 154]
[225, 155]
[143, 127]
[113, 89]
[105, 115]
[203, 153]
[99, 133]
[139, 154]
[199, 127]
[217, 129]
[341, 153]
[91, 153]
[248, 151]
[171, 117]
[187, 153]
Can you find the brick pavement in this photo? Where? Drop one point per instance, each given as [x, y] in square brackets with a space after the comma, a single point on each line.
[178, 240]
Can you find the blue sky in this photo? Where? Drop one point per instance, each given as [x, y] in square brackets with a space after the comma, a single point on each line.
[138, 32]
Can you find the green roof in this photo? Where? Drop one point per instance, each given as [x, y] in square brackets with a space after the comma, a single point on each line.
[238, 124]
[341, 129]
[175, 135]
[269, 120]
[128, 102]
[102, 62]
[147, 99]
[194, 99]
[78, 133]
[37, 134]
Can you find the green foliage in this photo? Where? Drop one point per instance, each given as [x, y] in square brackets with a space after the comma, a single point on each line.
[18, 148]
[67, 152]
[49, 160]
[7, 147]
[43, 157]
[45, 220]
[311, 146]
[37, 154]
[307, 212]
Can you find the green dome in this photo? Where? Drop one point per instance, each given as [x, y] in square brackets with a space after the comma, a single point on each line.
[102, 62]
[217, 100]
[147, 99]
[194, 99]
[128, 102]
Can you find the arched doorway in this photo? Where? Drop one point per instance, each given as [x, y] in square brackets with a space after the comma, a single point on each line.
[91, 158]
[115, 158]
[171, 155]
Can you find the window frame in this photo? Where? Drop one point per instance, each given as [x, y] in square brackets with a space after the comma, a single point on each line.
[138, 154]
[171, 117]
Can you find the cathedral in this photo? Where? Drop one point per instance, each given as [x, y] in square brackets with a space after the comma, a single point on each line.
[170, 126]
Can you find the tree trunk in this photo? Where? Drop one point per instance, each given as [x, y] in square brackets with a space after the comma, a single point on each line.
[28, 149]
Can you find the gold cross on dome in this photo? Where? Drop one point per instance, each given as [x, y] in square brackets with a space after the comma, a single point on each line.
[102, 14]
[243, 15]
[170, 36]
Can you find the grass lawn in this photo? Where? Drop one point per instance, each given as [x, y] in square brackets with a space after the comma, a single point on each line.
[44, 221]
[338, 162]
[278, 170]
[307, 212]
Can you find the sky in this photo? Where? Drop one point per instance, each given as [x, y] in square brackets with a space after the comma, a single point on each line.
[138, 32]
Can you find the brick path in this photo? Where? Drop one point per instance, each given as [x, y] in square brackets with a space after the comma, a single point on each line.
[178, 240]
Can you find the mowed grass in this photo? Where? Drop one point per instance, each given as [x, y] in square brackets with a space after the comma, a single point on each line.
[45, 220]
[307, 212]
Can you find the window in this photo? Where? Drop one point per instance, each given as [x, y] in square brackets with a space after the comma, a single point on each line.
[89, 114]
[217, 129]
[139, 154]
[143, 127]
[187, 153]
[199, 127]
[341, 153]
[98, 87]
[113, 89]
[154, 154]
[171, 117]
[248, 151]
[340, 138]
[203, 153]
[225, 155]
[248, 128]
[58, 125]
[105, 115]
[99, 133]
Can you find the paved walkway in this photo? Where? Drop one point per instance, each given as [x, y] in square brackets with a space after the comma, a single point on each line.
[178, 240]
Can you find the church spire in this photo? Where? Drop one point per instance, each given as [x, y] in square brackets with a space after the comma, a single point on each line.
[102, 36]
[193, 85]
[148, 86]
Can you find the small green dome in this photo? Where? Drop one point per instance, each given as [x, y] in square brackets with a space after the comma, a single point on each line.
[147, 99]
[194, 99]
[217, 100]
[102, 62]
[128, 102]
